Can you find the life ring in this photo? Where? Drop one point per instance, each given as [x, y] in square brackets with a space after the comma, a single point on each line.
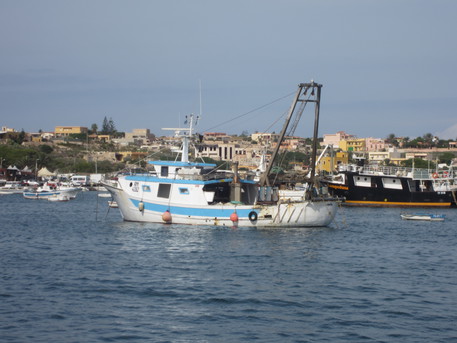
[252, 216]
[435, 175]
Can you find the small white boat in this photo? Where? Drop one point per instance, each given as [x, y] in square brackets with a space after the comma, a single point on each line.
[11, 187]
[59, 197]
[51, 189]
[423, 216]
[104, 195]
[113, 204]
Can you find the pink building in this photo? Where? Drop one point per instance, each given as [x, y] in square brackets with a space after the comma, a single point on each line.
[334, 139]
[375, 144]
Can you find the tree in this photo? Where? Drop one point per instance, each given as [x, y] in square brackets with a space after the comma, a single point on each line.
[108, 127]
[428, 139]
[45, 148]
[391, 140]
[94, 128]
[105, 126]
[111, 126]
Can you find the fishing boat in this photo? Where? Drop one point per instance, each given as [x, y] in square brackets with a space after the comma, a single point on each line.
[185, 192]
[52, 190]
[424, 216]
[379, 186]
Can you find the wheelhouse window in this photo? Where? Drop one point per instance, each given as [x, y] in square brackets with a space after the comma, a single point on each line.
[183, 191]
[164, 190]
[164, 171]
[146, 188]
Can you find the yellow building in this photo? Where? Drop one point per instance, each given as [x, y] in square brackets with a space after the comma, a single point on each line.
[69, 130]
[354, 145]
[132, 155]
[326, 162]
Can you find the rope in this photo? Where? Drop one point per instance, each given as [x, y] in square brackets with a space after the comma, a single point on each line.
[249, 112]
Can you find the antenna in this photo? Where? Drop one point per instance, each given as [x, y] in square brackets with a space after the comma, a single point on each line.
[201, 108]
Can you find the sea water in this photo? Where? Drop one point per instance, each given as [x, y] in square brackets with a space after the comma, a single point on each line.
[75, 272]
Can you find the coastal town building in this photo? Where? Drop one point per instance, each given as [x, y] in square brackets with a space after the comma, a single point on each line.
[353, 145]
[220, 151]
[293, 143]
[375, 144]
[336, 138]
[331, 163]
[47, 135]
[380, 157]
[63, 131]
[136, 137]
[124, 156]
[100, 138]
[7, 129]
[215, 136]
[264, 138]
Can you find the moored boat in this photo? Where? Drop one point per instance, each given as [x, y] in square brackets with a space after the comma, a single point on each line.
[112, 204]
[59, 198]
[50, 189]
[11, 187]
[392, 187]
[423, 216]
[184, 192]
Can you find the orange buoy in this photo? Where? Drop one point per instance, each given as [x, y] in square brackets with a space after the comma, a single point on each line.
[234, 217]
[166, 216]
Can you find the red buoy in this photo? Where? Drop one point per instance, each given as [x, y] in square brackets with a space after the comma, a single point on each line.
[166, 216]
[234, 217]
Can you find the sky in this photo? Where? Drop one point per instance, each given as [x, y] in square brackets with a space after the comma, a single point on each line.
[386, 66]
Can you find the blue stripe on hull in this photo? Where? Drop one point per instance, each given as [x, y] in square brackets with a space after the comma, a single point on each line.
[197, 212]
[40, 195]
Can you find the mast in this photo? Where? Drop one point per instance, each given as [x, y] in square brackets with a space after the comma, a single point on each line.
[264, 179]
[300, 96]
[186, 135]
[316, 129]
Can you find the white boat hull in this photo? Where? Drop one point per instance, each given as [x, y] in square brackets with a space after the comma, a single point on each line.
[426, 217]
[59, 198]
[288, 214]
[71, 193]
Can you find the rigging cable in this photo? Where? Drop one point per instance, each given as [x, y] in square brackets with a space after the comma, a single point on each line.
[249, 112]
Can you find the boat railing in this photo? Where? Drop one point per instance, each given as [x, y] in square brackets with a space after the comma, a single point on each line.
[206, 177]
[415, 173]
